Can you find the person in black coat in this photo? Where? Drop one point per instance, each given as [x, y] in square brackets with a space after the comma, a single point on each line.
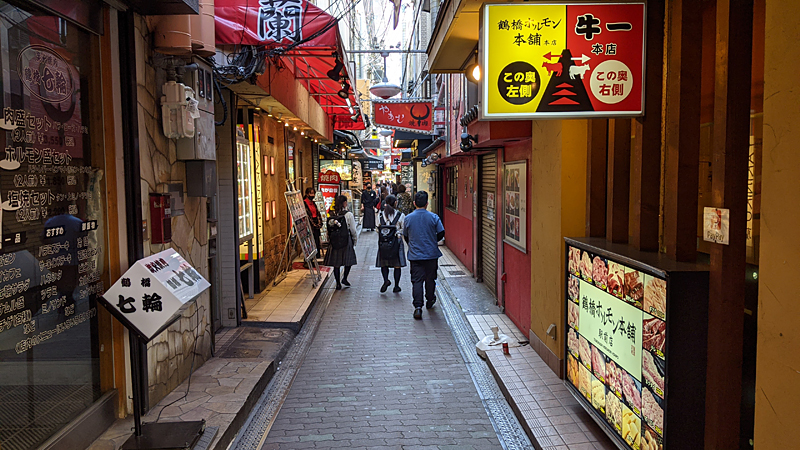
[368, 201]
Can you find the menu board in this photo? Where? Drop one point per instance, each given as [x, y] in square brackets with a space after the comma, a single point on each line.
[297, 209]
[615, 346]
[344, 167]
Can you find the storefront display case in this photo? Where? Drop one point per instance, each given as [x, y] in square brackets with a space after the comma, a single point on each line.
[635, 343]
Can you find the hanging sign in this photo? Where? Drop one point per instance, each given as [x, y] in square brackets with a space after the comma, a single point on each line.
[372, 164]
[330, 177]
[416, 117]
[563, 60]
[153, 292]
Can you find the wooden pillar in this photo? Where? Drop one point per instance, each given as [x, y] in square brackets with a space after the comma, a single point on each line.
[597, 142]
[618, 182]
[682, 127]
[646, 158]
[729, 190]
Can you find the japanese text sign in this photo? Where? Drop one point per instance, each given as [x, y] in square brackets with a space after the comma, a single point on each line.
[272, 22]
[154, 290]
[403, 115]
[616, 334]
[330, 177]
[563, 60]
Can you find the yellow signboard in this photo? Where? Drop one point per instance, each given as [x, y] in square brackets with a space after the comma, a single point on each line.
[562, 60]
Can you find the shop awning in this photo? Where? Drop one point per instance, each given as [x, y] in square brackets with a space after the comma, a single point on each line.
[307, 41]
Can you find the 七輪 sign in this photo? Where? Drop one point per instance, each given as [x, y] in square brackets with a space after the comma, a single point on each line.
[563, 60]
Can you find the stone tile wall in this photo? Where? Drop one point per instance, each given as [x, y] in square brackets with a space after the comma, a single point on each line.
[170, 355]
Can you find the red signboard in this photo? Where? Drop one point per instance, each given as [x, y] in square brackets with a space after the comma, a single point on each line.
[249, 22]
[329, 177]
[416, 117]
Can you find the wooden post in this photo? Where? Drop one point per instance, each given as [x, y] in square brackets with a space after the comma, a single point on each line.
[618, 184]
[682, 127]
[646, 158]
[597, 142]
[729, 190]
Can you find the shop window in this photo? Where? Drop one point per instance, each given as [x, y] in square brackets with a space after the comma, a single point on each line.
[244, 179]
[452, 187]
[53, 226]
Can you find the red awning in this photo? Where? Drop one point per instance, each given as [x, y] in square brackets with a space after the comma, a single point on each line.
[307, 41]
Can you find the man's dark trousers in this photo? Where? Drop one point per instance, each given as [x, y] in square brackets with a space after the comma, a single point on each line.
[424, 271]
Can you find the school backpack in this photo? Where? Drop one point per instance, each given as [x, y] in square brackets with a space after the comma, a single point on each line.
[388, 243]
[338, 233]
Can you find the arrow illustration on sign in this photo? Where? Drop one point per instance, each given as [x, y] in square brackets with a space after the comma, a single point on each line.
[551, 56]
[583, 58]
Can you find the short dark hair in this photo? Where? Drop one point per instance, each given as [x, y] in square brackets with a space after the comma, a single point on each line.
[401, 188]
[309, 190]
[421, 199]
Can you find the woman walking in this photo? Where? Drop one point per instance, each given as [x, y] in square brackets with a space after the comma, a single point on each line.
[343, 236]
[404, 201]
[391, 252]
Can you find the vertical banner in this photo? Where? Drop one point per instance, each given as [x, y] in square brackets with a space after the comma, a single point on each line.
[563, 60]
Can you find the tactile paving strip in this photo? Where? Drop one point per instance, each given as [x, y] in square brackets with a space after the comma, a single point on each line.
[256, 428]
[509, 431]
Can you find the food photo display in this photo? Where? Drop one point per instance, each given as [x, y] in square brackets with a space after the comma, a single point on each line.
[616, 334]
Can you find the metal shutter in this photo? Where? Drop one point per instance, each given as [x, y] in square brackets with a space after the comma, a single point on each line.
[488, 173]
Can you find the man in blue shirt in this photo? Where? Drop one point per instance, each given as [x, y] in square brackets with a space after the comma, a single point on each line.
[423, 230]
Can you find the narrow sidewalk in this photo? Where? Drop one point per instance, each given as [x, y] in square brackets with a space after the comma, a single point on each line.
[552, 418]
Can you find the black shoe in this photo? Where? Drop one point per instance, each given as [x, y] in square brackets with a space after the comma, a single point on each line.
[338, 287]
[429, 304]
[396, 289]
[418, 313]
[346, 283]
[385, 286]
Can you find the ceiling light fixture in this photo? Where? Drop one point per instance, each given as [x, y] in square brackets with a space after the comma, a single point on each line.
[286, 124]
[384, 89]
[269, 111]
[295, 128]
[279, 117]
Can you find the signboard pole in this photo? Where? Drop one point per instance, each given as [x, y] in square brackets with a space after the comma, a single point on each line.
[147, 299]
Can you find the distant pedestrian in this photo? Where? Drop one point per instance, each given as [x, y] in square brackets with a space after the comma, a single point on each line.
[422, 231]
[314, 217]
[391, 251]
[404, 201]
[369, 199]
[384, 194]
[342, 236]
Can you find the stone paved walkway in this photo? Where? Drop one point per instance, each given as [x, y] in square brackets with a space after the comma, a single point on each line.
[376, 378]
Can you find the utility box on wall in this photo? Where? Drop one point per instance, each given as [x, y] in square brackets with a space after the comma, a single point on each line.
[202, 145]
[201, 178]
[161, 219]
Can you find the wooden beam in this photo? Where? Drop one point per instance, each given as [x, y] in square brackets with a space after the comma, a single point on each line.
[682, 128]
[618, 182]
[597, 143]
[646, 158]
[730, 157]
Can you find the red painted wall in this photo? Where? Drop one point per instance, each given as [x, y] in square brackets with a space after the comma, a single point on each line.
[458, 224]
[516, 264]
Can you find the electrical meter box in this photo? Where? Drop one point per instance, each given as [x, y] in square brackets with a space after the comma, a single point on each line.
[201, 178]
[202, 145]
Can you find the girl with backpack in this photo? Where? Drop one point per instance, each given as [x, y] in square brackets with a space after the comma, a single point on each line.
[391, 251]
[342, 236]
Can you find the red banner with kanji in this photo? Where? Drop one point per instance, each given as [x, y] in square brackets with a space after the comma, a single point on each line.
[273, 22]
[416, 117]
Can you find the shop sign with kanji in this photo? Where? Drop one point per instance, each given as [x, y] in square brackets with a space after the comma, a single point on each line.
[416, 117]
[329, 177]
[564, 60]
[153, 291]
